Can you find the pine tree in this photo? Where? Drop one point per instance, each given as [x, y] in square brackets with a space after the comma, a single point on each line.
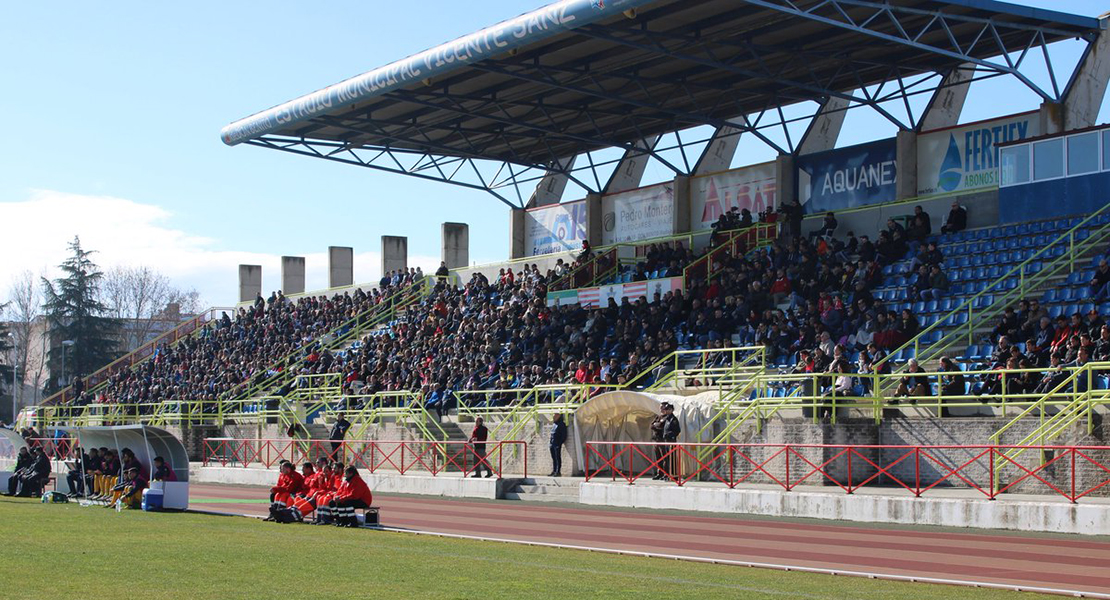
[6, 366]
[75, 313]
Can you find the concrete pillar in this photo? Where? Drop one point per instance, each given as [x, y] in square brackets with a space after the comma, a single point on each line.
[341, 266]
[250, 282]
[906, 158]
[1052, 118]
[1083, 98]
[947, 103]
[825, 128]
[719, 152]
[786, 180]
[292, 274]
[395, 253]
[516, 233]
[594, 216]
[550, 188]
[681, 213]
[456, 245]
[630, 170]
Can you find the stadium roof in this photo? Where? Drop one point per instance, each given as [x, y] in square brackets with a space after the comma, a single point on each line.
[582, 75]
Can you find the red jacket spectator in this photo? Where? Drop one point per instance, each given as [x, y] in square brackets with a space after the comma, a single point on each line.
[355, 489]
[289, 483]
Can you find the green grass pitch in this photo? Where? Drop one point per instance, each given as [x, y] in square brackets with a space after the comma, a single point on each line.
[69, 551]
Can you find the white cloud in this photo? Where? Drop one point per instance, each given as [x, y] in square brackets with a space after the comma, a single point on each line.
[34, 234]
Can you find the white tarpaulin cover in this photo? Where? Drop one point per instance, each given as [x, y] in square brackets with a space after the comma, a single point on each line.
[625, 416]
[146, 442]
[10, 443]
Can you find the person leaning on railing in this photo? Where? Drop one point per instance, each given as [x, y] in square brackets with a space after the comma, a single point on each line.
[914, 383]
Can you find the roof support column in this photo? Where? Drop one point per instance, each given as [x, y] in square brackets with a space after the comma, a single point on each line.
[630, 170]
[719, 152]
[947, 103]
[825, 128]
[906, 160]
[550, 188]
[516, 233]
[250, 282]
[1088, 88]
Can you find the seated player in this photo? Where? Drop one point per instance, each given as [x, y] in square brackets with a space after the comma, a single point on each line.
[289, 482]
[129, 492]
[110, 472]
[301, 504]
[162, 471]
[353, 494]
[22, 461]
[79, 471]
[329, 487]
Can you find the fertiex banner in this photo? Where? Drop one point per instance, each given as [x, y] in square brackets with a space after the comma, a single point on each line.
[639, 214]
[966, 157]
[711, 196]
[598, 297]
[848, 177]
[555, 228]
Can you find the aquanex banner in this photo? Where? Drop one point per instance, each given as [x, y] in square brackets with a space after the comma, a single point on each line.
[491, 41]
[965, 158]
[848, 177]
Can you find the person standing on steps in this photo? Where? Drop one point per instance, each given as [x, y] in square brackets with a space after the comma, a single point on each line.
[558, 438]
[478, 439]
[338, 433]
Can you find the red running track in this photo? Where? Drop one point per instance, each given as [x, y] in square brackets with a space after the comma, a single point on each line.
[1071, 564]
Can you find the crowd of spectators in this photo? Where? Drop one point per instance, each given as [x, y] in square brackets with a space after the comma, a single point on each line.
[231, 352]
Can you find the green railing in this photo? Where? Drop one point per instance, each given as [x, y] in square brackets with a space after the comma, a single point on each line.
[598, 268]
[747, 239]
[979, 315]
[371, 318]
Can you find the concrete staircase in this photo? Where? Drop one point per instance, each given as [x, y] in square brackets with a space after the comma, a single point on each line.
[542, 489]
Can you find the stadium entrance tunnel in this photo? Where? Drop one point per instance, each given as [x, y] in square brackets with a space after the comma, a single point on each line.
[626, 416]
[146, 442]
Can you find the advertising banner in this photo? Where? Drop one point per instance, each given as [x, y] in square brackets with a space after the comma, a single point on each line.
[848, 177]
[598, 297]
[638, 214]
[711, 196]
[966, 157]
[555, 228]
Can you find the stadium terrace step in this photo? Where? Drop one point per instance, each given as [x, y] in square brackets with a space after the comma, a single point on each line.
[543, 489]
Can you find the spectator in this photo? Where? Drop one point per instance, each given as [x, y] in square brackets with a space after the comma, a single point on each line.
[23, 461]
[842, 387]
[558, 438]
[920, 224]
[937, 284]
[827, 228]
[353, 494]
[338, 434]
[913, 384]
[957, 219]
[1101, 281]
[952, 383]
[443, 272]
[477, 440]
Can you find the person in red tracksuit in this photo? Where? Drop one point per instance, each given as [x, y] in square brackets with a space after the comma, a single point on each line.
[327, 486]
[289, 482]
[353, 494]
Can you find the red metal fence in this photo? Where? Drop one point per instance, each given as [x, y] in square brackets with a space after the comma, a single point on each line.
[1070, 471]
[55, 448]
[424, 457]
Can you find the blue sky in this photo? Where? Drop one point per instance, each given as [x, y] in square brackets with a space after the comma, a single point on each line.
[113, 112]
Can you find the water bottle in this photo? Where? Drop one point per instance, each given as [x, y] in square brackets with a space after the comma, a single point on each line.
[119, 505]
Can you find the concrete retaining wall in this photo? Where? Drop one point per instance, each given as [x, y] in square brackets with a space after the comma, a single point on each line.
[447, 486]
[1087, 518]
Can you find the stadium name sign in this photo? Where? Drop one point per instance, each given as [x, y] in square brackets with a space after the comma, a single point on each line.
[849, 177]
[966, 157]
[514, 33]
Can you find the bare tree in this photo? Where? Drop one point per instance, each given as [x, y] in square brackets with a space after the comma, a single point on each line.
[147, 301]
[29, 331]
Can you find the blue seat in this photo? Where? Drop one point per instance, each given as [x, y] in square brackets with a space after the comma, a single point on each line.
[1055, 311]
[1071, 309]
[1104, 309]
[984, 301]
[931, 306]
[919, 307]
[969, 353]
[959, 319]
[1050, 296]
[1022, 229]
[1086, 307]
[1081, 293]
